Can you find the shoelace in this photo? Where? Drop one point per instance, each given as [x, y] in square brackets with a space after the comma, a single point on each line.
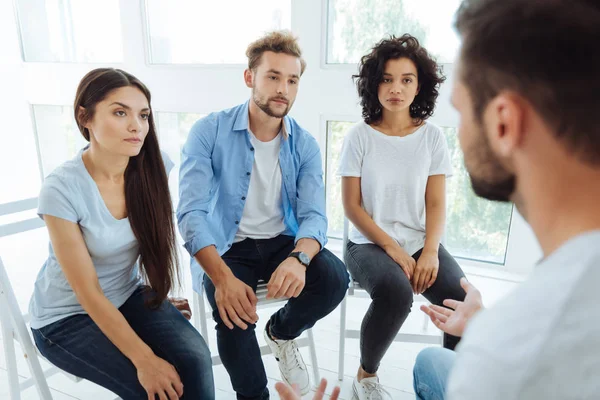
[375, 391]
[290, 356]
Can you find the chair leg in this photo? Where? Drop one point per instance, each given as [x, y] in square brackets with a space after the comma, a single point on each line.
[342, 348]
[9, 353]
[203, 320]
[313, 357]
[196, 311]
[35, 368]
[425, 322]
[200, 311]
[12, 311]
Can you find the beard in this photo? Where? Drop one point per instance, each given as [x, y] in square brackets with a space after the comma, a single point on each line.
[493, 182]
[265, 105]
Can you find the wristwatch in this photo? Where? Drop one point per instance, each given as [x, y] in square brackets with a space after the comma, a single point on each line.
[300, 256]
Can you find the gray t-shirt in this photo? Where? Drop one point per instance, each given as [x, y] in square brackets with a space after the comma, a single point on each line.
[70, 193]
[542, 341]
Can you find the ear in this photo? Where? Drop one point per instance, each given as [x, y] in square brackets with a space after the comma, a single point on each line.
[504, 123]
[249, 78]
[81, 113]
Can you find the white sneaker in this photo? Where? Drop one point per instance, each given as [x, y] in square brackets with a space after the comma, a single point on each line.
[369, 389]
[291, 365]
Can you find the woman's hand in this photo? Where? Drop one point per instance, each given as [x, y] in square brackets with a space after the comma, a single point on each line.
[426, 271]
[159, 378]
[401, 257]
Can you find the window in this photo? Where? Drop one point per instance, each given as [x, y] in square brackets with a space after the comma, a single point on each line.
[475, 228]
[333, 190]
[210, 32]
[58, 137]
[354, 26]
[173, 129]
[67, 30]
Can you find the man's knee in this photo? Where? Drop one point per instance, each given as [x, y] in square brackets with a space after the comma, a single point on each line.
[431, 371]
[330, 274]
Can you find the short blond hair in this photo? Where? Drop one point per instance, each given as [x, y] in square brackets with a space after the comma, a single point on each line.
[277, 42]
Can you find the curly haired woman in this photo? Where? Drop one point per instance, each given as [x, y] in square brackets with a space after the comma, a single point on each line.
[394, 166]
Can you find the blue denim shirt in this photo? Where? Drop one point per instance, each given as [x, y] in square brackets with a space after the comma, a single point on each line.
[216, 163]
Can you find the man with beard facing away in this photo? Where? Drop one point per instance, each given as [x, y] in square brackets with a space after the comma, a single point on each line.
[527, 88]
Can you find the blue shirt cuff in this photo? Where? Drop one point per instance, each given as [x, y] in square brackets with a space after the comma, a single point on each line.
[198, 243]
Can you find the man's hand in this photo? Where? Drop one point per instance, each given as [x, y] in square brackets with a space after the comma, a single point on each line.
[426, 271]
[236, 302]
[288, 393]
[288, 279]
[454, 321]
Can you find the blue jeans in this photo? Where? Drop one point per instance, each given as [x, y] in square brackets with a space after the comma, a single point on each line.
[431, 371]
[76, 345]
[253, 260]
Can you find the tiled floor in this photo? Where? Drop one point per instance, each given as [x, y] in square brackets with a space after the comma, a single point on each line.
[395, 372]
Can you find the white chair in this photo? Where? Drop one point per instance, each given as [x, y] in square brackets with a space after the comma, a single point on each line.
[261, 293]
[422, 337]
[14, 323]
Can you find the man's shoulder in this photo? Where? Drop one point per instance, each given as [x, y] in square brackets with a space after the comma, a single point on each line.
[297, 133]
[211, 123]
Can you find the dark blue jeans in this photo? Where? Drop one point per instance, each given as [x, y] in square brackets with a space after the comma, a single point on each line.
[253, 260]
[76, 345]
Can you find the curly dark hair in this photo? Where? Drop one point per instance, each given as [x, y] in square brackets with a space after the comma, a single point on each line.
[372, 67]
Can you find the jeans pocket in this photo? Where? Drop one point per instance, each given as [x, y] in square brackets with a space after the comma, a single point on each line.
[42, 342]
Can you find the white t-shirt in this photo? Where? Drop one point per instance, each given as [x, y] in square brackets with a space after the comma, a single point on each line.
[263, 212]
[543, 340]
[394, 172]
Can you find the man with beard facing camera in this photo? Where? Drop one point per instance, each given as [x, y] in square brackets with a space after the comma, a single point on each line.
[252, 207]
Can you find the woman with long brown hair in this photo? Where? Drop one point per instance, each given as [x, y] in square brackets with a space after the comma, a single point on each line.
[99, 308]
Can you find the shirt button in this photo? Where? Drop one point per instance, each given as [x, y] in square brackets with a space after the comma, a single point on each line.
[248, 173]
[251, 148]
[237, 222]
[243, 198]
[229, 245]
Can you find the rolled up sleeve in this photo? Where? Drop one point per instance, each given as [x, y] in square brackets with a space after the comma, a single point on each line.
[196, 187]
[310, 202]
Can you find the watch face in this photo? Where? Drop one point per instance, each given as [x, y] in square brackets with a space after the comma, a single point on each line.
[304, 258]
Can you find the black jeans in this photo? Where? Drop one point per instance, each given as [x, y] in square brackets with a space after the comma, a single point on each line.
[253, 260]
[75, 344]
[392, 297]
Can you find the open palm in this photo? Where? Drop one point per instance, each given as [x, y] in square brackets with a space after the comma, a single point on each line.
[286, 392]
[453, 321]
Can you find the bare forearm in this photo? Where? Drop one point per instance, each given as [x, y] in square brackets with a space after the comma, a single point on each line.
[434, 226]
[365, 224]
[308, 246]
[114, 325]
[212, 263]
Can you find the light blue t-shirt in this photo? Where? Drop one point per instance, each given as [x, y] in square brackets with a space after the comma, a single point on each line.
[70, 193]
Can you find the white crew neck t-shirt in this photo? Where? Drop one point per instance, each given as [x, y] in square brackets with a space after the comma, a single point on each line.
[262, 217]
[542, 341]
[394, 172]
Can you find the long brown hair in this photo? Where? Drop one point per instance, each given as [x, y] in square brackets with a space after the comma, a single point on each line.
[147, 194]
